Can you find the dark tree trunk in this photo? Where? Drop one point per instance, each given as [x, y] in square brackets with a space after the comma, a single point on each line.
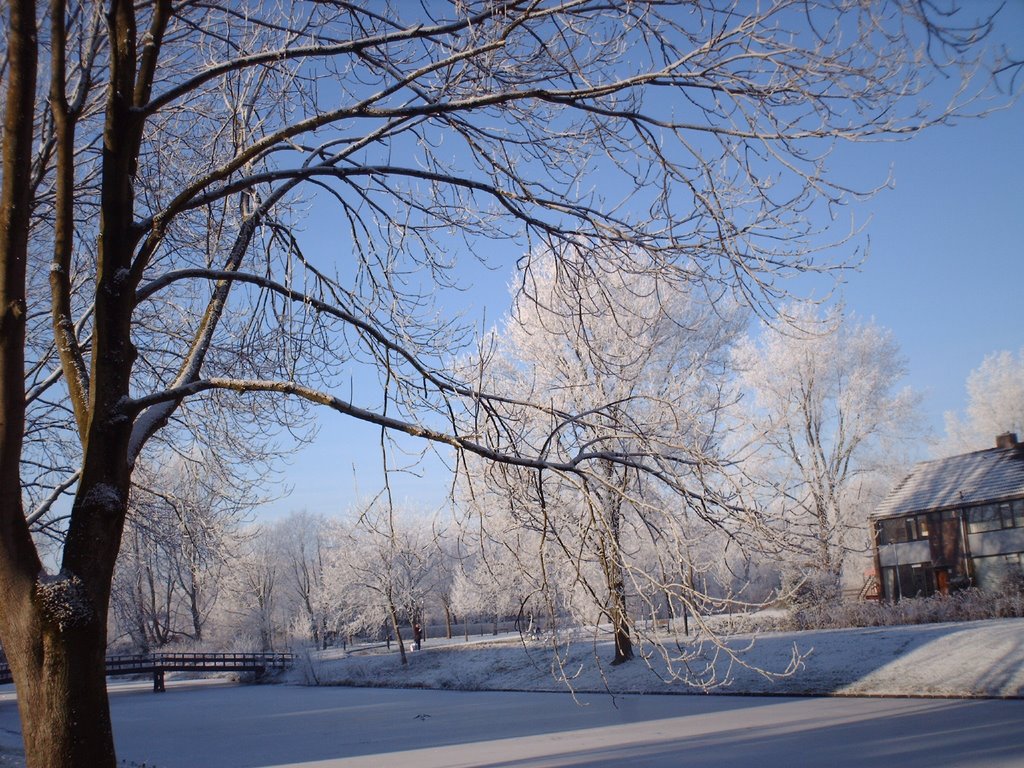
[69, 685]
[53, 629]
[617, 610]
[197, 614]
[620, 618]
[447, 620]
[396, 626]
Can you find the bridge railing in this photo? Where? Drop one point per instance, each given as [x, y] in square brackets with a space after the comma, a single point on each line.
[158, 663]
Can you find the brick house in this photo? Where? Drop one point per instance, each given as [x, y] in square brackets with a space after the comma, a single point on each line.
[952, 523]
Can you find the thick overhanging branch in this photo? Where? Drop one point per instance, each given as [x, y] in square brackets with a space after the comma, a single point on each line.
[346, 408]
[441, 382]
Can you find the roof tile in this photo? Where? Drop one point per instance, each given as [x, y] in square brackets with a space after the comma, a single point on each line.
[971, 478]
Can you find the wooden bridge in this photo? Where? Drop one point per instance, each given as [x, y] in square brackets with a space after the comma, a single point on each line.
[159, 663]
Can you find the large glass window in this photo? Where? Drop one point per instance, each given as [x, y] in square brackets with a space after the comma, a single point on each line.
[893, 531]
[990, 573]
[902, 529]
[1006, 514]
[917, 580]
[984, 518]
[922, 581]
[1018, 513]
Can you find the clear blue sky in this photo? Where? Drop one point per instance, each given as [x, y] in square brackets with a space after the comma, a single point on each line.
[945, 272]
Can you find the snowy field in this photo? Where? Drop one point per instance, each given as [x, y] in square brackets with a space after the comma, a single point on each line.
[984, 658]
[221, 725]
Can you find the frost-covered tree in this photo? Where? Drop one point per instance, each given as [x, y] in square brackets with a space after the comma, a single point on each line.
[631, 367]
[157, 158]
[384, 570]
[995, 404]
[496, 578]
[255, 606]
[182, 532]
[304, 543]
[826, 417]
[446, 565]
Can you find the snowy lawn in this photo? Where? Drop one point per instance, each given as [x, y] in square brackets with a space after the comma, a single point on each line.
[211, 723]
[984, 658]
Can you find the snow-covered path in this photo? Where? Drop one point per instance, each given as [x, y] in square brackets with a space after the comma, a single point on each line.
[227, 726]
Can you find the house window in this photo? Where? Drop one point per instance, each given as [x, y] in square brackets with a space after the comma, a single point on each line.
[903, 529]
[892, 531]
[986, 517]
[917, 580]
[922, 581]
[1006, 514]
[1018, 513]
[991, 573]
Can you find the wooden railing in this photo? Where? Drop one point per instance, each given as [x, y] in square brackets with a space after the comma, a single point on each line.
[159, 663]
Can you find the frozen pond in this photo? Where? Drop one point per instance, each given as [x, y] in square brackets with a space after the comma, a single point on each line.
[230, 726]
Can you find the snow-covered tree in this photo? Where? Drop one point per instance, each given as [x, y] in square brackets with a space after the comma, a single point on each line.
[995, 404]
[306, 544]
[384, 570]
[182, 532]
[255, 606]
[640, 365]
[495, 580]
[826, 418]
[446, 563]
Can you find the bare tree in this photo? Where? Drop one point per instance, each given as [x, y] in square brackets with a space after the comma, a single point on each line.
[493, 581]
[446, 561]
[385, 571]
[305, 544]
[254, 587]
[158, 185]
[183, 529]
[995, 404]
[827, 419]
[643, 364]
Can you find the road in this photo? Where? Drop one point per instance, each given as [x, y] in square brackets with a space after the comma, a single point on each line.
[231, 726]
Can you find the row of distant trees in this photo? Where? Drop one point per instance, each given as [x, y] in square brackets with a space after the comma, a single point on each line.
[807, 422]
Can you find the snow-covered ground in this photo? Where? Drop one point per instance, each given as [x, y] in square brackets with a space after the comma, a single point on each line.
[285, 726]
[984, 658]
[277, 726]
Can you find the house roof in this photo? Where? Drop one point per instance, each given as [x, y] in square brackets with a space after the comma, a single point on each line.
[956, 481]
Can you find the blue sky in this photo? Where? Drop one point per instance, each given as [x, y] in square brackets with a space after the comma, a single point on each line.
[944, 272]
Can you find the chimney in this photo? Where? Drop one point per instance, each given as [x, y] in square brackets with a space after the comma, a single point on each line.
[1006, 440]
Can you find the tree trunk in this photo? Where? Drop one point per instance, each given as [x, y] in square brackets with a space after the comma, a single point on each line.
[62, 698]
[54, 630]
[197, 615]
[619, 618]
[618, 613]
[393, 613]
[447, 620]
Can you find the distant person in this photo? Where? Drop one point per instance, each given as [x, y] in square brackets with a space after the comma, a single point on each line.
[417, 636]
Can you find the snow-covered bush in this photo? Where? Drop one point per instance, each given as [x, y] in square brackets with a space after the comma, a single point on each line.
[965, 605]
